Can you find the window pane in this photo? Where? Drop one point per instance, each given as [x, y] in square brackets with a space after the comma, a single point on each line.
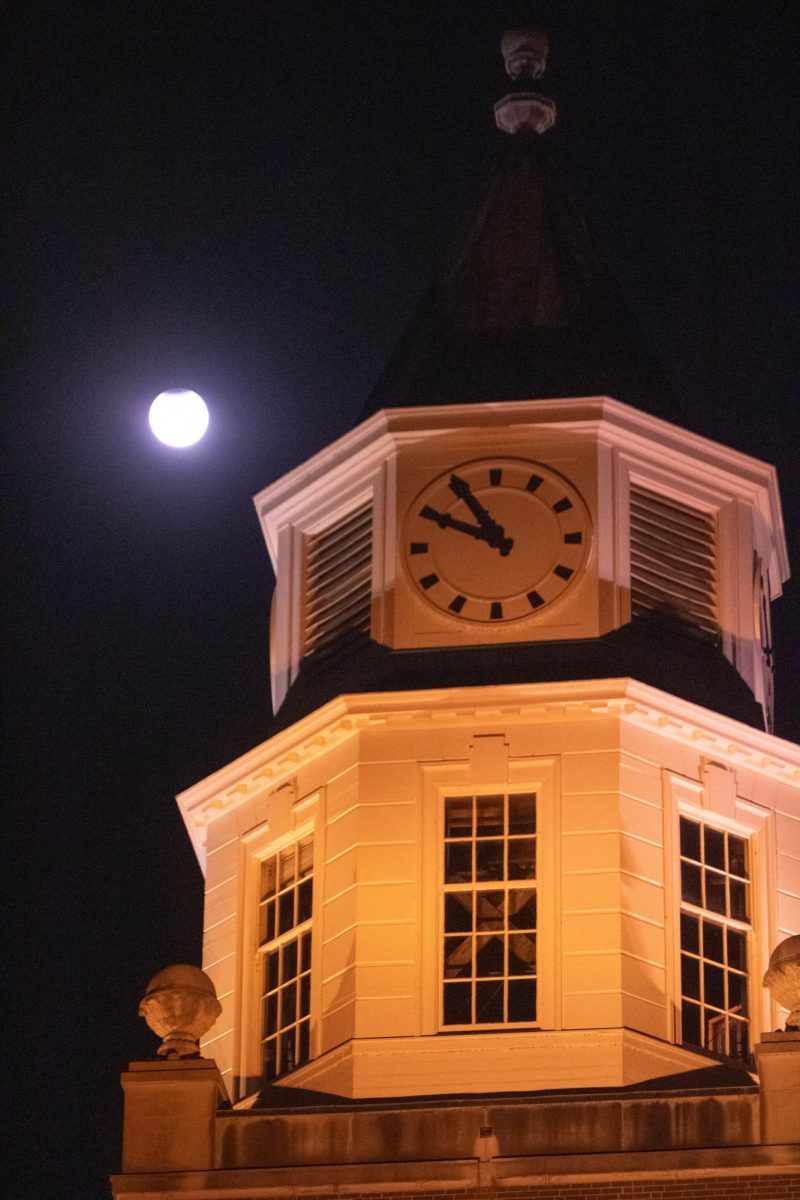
[286, 911]
[288, 1005]
[712, 941]
[303, 1048]
[304, 898]
[272, 971]
[287, 866]
[690, 1023]
[457, 1004]
[305, 857]
[521, 954]
[271, 1013]
[267, 922]
[489, 956]
[489, 1002]
[270, 1058]
[305, 995]
[737, 950]
[713, 985]
[305, 952]
[522, 910]
[690, 977]
[268, 878]
[691, 890]
[458, 817]
[458, 912]
[490, 910]
[489, 860]
[715, 892]
[457, 957]
[522, 858]
[690, 933]
[739, 905]
[522, 1000]
[737, 856]
[714, 848]
[737, 993]
[489, 812]
[289, 962]
[458, 862]
[286, 1059]
[690, 839]
[522, 814]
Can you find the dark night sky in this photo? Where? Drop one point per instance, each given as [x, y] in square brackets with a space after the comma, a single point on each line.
[248, 198]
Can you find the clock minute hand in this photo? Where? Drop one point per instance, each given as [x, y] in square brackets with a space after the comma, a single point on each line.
[459, 487]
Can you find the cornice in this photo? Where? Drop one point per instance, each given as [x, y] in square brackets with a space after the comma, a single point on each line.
[618, 424]
[277, 759]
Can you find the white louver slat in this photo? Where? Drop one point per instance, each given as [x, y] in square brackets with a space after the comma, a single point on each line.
[673, 562]
[338, 581]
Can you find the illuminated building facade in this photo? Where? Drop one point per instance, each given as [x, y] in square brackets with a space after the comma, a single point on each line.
[489, 913]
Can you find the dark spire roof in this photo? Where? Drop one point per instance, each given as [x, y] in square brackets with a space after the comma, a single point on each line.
[525, 309]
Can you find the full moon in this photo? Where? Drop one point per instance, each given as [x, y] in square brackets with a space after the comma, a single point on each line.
[178, 417]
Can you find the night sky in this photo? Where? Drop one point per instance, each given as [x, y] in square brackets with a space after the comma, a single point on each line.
[248, 197]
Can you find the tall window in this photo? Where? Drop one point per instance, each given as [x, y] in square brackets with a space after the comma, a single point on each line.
[285, 951]
[715, 922]
[489, 936]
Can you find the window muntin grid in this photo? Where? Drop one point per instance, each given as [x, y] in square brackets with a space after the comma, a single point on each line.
[715, 921]
[286, 890]
[284, 934]
[490, 919]
[286, 1006]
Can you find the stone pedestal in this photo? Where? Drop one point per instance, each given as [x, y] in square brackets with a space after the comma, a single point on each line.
[169, 1115]
[778, 1061]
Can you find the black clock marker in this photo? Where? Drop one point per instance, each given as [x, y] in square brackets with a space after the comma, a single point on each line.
[428, 581]
[562, 505]
[535, 600]
[563, 572]
[418, 548]
[495, 477]
[457, 603]
[496, 612]
[534, 482]
[573, 538]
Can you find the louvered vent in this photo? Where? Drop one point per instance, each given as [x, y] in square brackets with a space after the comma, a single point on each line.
[673, 562]
[338, 582]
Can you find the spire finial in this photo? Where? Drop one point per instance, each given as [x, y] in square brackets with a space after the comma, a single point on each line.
[524, 50]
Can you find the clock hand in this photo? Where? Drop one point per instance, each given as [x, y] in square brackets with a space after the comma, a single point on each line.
[461, 488]
[494, 535]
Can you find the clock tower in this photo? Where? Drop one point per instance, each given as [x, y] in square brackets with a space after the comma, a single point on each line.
[523, 834]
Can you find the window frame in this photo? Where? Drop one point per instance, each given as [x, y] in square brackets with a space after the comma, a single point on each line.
[281, 940]
[259, 846]
[475, 887]
[697, 801]
[728, 923]
[540, 775]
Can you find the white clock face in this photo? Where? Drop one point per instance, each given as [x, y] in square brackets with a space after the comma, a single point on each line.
[496, 539]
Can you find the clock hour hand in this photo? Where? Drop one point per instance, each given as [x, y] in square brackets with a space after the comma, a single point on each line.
[493, 535]
[459, 487]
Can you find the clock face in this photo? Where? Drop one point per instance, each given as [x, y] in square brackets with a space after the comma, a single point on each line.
[496, 539]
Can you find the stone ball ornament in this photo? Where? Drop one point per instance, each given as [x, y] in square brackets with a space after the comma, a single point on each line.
[180, 1005]
[783, 979]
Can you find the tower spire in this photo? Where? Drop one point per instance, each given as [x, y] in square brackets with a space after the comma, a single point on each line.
[524, 309]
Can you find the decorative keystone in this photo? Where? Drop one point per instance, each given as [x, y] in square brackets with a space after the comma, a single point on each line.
[180, 1005]
[525, 56]
[783, 979]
